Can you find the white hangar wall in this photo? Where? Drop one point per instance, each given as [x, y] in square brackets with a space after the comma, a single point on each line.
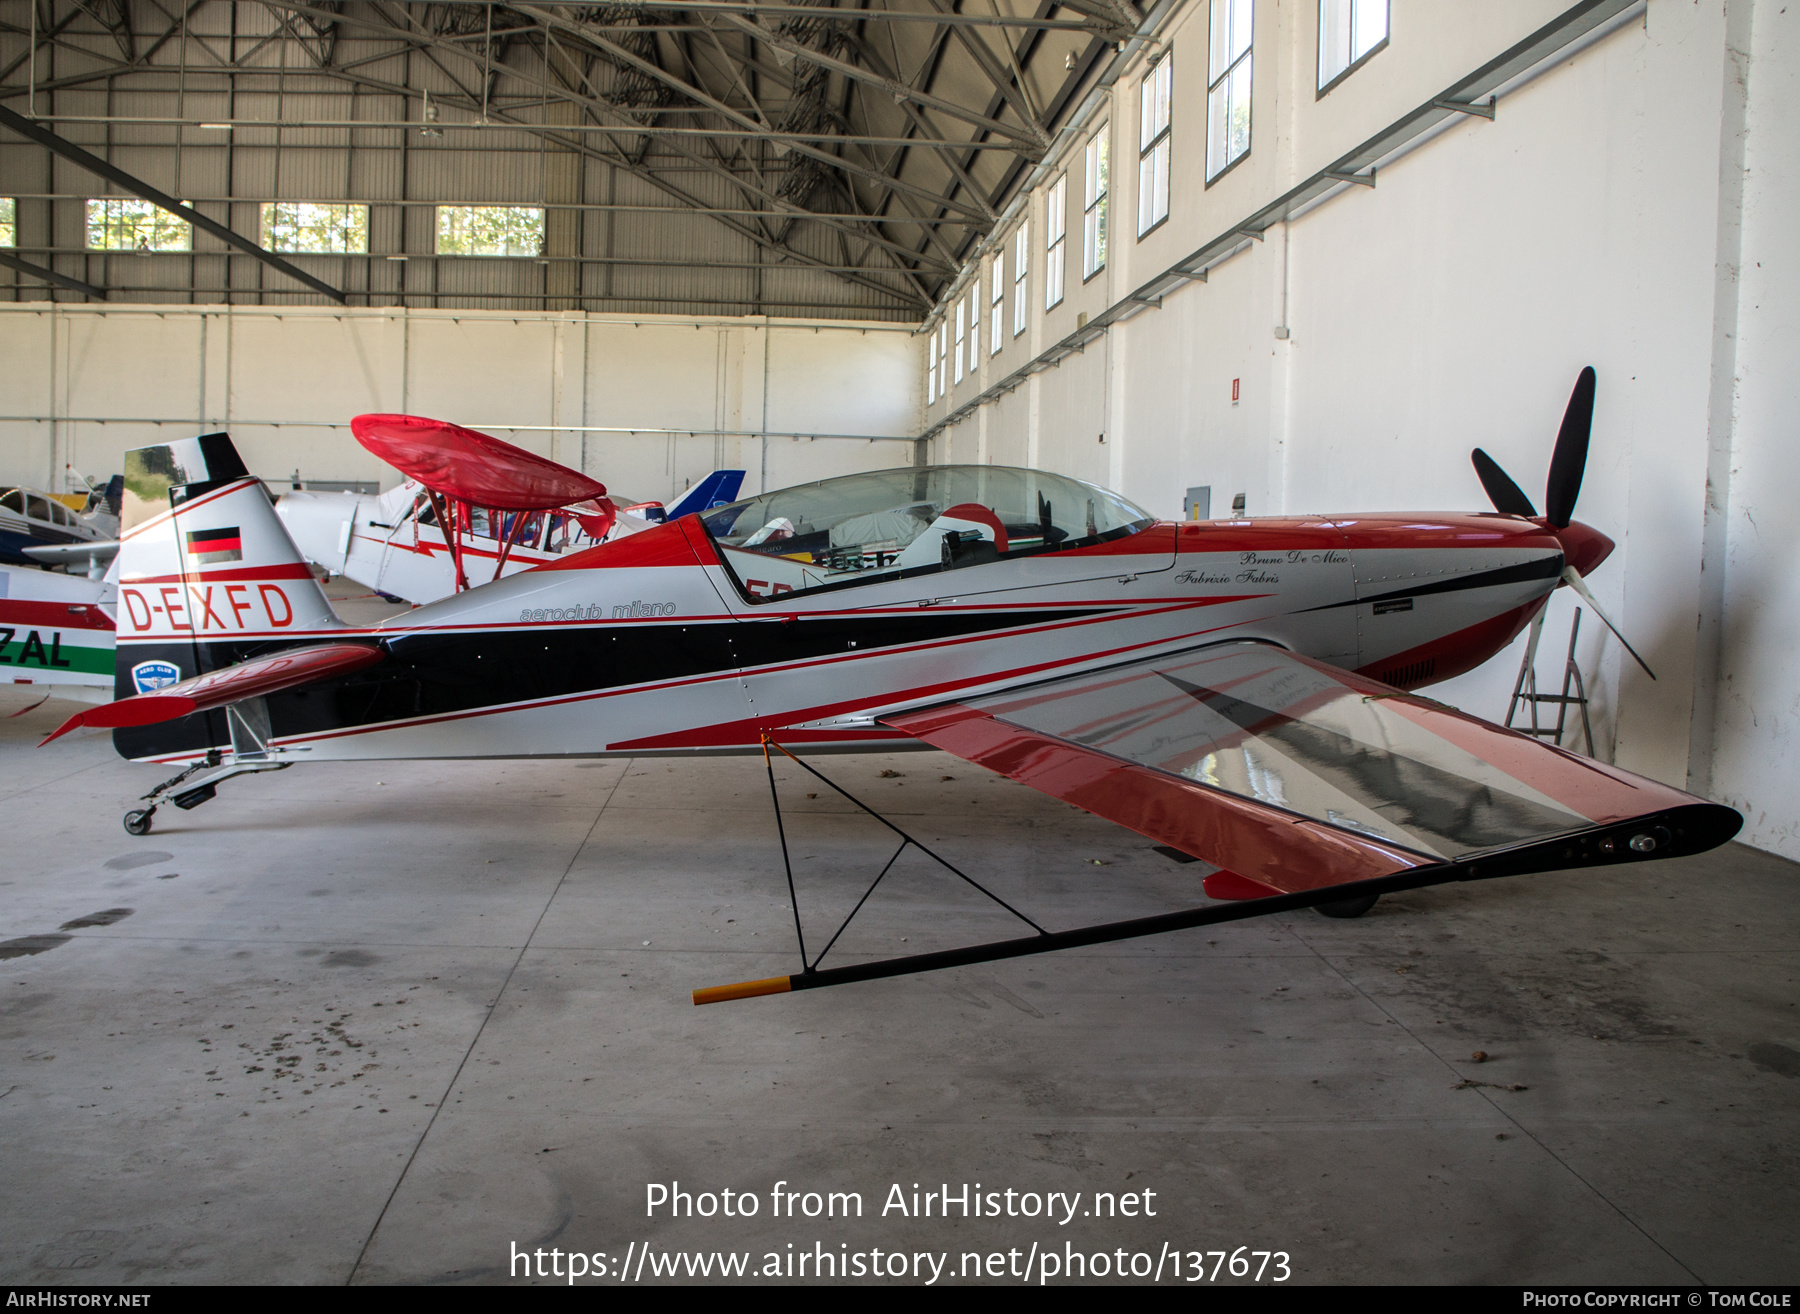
[1751, 607]
[81, 385]
[1594, 221]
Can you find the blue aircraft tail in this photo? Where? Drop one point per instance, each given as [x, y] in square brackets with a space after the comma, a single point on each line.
[717, 489]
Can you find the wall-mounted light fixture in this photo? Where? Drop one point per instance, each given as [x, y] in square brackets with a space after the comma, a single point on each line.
[430, 129]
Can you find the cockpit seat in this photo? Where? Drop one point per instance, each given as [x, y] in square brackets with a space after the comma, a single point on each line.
[967, 534]
[898, 526]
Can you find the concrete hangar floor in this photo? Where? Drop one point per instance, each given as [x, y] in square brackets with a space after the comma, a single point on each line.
[389, 1023]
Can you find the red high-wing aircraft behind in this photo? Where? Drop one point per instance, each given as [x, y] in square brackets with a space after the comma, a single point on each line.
[472, 510]
[1233, 689]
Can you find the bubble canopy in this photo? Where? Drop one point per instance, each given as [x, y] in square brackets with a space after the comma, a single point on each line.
[888, 523]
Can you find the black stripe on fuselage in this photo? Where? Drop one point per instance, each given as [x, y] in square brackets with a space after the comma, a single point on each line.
[1525, 571]
[434, 674]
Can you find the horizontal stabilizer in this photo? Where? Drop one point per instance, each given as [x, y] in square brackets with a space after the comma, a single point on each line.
[251, 679]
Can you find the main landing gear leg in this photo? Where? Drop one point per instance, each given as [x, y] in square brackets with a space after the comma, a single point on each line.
[186, 796]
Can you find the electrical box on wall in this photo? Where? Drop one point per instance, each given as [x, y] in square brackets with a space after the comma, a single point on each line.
[1237, 505]
[1197, 505]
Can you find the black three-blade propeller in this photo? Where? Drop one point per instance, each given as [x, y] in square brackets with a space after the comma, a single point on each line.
[1563, 486]
[1567, 463]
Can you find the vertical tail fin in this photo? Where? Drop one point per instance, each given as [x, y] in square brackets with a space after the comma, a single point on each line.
[203, 557]
[718, 488]
[208, 577]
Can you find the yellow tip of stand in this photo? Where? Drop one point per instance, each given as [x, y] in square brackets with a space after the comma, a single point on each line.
[774, 985]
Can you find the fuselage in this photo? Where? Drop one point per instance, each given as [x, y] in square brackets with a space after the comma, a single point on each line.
[675, 641]
[55, 630]
[29, 518]
[393, 544]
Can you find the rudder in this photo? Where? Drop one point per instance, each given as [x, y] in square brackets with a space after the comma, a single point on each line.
[208, 577]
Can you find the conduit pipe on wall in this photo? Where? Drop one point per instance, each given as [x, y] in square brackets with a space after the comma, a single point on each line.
[1514, 66]
[486, 428]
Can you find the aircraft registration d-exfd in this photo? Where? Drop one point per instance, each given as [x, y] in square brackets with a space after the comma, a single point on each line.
[1234, 689]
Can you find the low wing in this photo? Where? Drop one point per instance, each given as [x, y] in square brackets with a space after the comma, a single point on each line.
[471, 467]
[1304, 784]
[1300, 777]
[251, 679]
[61, 554]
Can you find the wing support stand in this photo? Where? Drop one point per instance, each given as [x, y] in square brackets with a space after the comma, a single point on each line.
[1673, 832]
[249, 753]
[810, 972]
[1525, 691]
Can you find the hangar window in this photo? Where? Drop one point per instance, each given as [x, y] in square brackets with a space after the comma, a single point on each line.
[1349, 32]
[997, 294]
[975, 322]
[128, 224]
[961, 313]
[893, 524]
[934, 368]
[1228, 85]
[1093, 223]
[490, 230]
[1056, 224]
[7, 232]
[314, 228]
[1153, 145]
[1021, 249]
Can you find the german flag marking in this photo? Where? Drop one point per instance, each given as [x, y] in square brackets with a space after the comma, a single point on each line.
[212, 546]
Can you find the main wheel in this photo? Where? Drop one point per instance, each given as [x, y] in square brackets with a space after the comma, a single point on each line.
[1348, 907]
[138, 823]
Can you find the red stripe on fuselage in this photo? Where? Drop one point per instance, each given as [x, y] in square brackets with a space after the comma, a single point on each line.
[1462, 651]
[285, 570]
[787, 718]
[665, 545]
[54, 615]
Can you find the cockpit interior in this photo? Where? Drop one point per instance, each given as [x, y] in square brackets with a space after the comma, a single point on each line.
[886, 524]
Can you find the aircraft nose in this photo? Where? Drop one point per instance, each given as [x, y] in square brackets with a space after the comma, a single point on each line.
[1584, 547]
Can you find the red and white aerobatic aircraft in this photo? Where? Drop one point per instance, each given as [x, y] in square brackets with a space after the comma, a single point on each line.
[1233, 689]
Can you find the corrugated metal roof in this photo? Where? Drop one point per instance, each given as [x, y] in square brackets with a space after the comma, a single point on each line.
[799, 159]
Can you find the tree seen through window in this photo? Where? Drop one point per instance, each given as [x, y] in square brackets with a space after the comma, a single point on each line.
[128, 224]
[490, 230]
[316, 228]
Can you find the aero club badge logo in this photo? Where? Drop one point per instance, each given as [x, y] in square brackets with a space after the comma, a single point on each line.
[148, 677]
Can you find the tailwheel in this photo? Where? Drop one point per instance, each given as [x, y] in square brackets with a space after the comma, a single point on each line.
[138, 822]
[1348, 907]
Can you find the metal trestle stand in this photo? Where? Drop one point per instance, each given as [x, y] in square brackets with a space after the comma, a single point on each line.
[1525, 691]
